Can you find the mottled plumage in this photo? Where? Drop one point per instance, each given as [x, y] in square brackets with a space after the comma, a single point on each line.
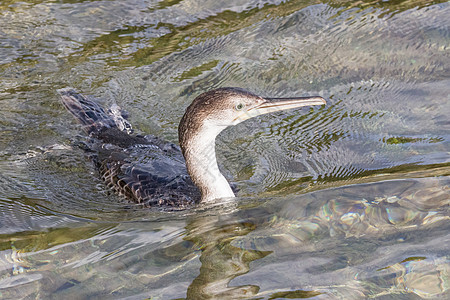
[145, 169]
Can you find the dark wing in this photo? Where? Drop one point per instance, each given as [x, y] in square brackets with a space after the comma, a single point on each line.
[149, 175]
[147, 170]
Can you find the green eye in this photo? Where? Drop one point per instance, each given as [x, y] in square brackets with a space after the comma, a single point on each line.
[240, 106]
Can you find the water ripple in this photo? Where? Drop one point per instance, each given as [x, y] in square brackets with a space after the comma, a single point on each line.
[375, 159]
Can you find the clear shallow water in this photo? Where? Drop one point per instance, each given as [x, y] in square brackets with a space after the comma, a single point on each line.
[345, 201]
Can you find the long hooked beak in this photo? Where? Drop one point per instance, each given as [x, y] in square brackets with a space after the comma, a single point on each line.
[276, 104]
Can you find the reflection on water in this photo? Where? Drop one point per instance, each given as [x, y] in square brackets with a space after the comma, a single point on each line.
[344, 242]
[347, 201]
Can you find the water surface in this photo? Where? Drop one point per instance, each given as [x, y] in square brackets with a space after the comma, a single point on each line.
[349, 201]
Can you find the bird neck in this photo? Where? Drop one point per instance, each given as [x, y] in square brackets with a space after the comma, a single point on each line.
[199, 151]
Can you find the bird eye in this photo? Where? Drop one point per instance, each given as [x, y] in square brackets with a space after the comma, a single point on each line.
[240, 106]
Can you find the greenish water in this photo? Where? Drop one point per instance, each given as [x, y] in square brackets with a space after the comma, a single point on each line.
[347, 201]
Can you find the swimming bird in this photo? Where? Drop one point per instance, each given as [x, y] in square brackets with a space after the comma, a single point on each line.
[154, 172]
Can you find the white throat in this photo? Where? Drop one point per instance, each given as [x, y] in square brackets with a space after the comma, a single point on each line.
[201, 162]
